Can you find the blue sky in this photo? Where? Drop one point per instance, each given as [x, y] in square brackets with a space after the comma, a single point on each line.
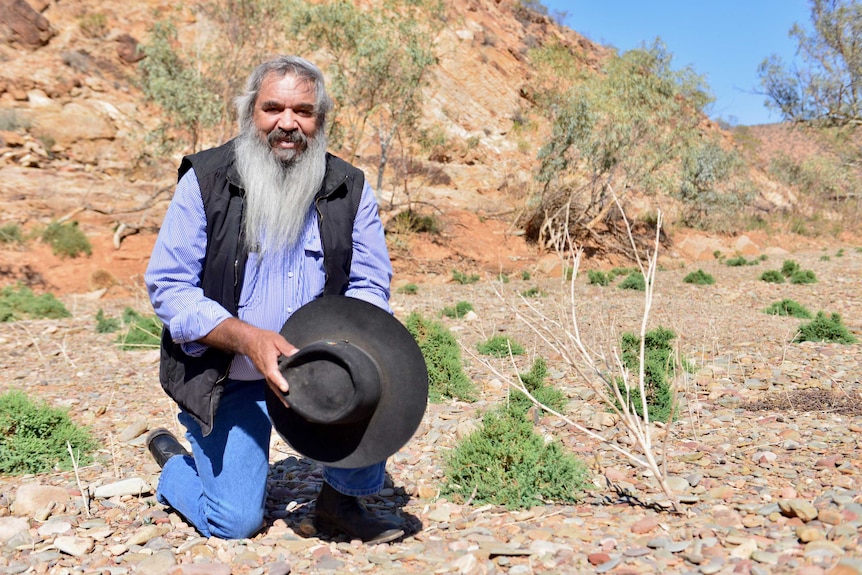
[723, 40]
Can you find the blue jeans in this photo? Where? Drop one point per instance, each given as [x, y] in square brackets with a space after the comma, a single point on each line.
[221, 489]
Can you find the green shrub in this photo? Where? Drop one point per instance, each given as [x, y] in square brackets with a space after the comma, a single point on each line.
[498, 346]
[66, 240]
[22, 303]
[533, 292]
[33, 437]
[106, 324]
[142, 332]
[503, 278]
[525, 275]
[409, 221]
[446, 377]
[789, 267]
[459, 310]
[11, 234]
[464, 278]
[534, 382]
[93, 25]
[772, 276]
[659, 368]
[635, 280]
[409, 289]
[788, 307]
[598, 277]
[825, 328]
[803, 277]
[824, 258]
[741, 261]
[699, 277]
[839, 253]
[505, 462]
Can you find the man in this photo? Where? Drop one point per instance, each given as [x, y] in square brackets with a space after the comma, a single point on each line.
[257, 228]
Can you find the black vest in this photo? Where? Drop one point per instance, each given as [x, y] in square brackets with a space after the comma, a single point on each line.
[195, 382]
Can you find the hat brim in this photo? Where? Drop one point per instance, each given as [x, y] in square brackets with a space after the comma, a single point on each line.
[403, 379]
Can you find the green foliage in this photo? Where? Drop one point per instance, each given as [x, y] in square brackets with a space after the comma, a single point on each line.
[659, 366]
[503, 278]
[505, 462]
[598, 277]
[11, 234]
[821, 177]
[788, 307]
[708, 188]
[408, 289]
[410, 221]
[499, 346]
[772, 276]
[822, 85]
[825, 328]
[533, 292]
[790, 267]
[66, 240]
[190, 98]
[839, 253]
[741, 261]
[463, 278]
[534, 382]
[106, 324]
[803, 277]
[379, 63]
[624, 127]
[141, 332]
[21, 303]
[634, 281]
[446, 377]
[34, 437]
[460, 309]
[699, 277]
[525, 275]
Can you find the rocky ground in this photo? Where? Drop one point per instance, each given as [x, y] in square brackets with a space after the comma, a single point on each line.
[766, 455]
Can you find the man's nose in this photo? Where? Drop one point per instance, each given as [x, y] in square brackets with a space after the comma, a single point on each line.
[287, 121]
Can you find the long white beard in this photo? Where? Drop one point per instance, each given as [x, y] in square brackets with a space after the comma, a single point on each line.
[278, 194]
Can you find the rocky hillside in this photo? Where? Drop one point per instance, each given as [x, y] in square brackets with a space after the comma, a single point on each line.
[73, 126]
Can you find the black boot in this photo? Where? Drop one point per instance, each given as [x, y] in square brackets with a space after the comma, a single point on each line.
[338, 513]
[163, 445]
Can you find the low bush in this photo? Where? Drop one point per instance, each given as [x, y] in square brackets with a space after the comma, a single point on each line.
[34, 437]
[789, 267]
[788, 307]
[772, 276]
[598, 277]
[408, 289]
[499, 346]
[803, 277]
[460, 309]
[659, 369]
[505, 462]
[464, 279]
[20, 303]
[825, 327]
[699, 277]
[106, 324]
[534, 382]
[66, 240]
[11, 234]
[141, 331]
[634, 281]
[533, 292]
[446, 377]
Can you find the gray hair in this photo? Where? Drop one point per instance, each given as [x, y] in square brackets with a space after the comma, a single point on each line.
[282, 66]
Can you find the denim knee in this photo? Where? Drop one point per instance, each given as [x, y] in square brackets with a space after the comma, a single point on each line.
[238, 526]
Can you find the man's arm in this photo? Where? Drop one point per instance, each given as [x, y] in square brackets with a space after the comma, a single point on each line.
[370, 269]
[262, 346]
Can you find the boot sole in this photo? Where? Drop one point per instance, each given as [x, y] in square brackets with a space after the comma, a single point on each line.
[331, 528]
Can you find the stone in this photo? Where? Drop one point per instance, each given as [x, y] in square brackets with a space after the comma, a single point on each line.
[130, 486]
[11, 526]
[133, 430]
[32, 498]
[75, 546]
[800, 508]
[26, 26]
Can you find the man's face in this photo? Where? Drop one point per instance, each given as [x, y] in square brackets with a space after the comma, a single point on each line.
[284, 115]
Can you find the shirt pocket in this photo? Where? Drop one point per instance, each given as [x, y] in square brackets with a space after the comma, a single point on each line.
[250, 294]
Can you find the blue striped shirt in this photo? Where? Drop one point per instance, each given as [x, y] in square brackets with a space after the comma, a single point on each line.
[273, 287]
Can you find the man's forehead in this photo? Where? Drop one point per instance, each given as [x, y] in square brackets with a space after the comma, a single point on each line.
[287, 81]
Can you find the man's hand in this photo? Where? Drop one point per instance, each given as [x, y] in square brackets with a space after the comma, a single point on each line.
[262, 346]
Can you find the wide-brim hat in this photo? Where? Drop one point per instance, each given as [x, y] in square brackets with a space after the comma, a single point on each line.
[358, 385]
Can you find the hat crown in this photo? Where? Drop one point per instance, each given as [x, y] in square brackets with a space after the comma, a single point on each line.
[332, 382]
